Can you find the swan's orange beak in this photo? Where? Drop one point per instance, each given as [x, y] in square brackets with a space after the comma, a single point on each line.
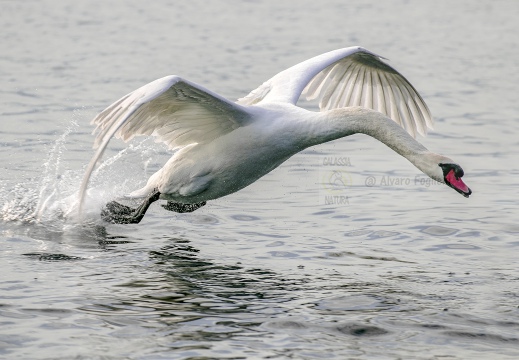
[457, 184]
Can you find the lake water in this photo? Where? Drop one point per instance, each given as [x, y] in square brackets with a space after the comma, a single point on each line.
[403, 269]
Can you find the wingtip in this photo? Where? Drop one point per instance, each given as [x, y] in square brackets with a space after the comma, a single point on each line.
[364, 50]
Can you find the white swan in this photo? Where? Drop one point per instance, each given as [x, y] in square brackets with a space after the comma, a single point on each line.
[224, 146]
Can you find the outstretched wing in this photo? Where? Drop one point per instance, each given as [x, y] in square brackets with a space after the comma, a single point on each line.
[176, 111]
[349, 77]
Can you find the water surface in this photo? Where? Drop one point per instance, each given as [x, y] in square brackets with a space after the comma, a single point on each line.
[393, 266]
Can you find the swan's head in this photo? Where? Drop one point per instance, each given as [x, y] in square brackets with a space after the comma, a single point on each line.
[452, 174]
[444, 170]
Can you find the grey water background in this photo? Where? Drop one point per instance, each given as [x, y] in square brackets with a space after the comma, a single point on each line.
[382, 264]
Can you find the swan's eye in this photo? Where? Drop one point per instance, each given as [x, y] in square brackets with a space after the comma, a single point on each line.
[447, 168]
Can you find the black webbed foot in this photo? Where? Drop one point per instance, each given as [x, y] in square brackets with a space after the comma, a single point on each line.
[183, 208]
[116, 213]
[113, 207]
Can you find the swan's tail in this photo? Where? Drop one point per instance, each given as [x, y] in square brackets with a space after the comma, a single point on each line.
[138, 194]
[150, 187]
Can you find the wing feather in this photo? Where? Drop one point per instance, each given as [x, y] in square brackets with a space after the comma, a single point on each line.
[348, 77]
[393, 112]
[350, 81]
[315, 85]
[176, 111]
[380, 97]
[164, 101]
[405, 113]
[357, 93]
[340, 94]
[336, 75]
[414, 109]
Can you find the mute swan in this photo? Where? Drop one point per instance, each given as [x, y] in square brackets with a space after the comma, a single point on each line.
[224, 146]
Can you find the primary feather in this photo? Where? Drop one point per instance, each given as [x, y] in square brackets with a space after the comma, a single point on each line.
[349, 77]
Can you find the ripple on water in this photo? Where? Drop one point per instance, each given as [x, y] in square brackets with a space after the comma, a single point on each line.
[324, 212]
[301, 326]
[360, 330]
[438, 230]
[382, 234]
[339, 254]
[359, 232]
[473, 234]
[50, 312]
[275, 244]
[452, 247]
[241, 217]
[283, 254]
[53, 257]
[201, 219]
[481, 336]
[358, 302]
[258, 234]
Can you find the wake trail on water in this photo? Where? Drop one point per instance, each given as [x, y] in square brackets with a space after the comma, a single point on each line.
[52, 198]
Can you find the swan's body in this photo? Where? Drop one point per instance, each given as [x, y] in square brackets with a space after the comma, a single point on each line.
[225, 146]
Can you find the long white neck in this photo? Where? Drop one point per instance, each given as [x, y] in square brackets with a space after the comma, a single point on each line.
[343, 122]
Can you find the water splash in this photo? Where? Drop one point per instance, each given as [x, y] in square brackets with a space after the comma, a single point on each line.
[52, 199]
[54, 183]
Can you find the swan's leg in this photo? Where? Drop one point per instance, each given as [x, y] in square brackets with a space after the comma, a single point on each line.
[182, 208]
[121, 214]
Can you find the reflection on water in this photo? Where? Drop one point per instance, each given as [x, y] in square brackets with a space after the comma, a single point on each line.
[187, 304]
